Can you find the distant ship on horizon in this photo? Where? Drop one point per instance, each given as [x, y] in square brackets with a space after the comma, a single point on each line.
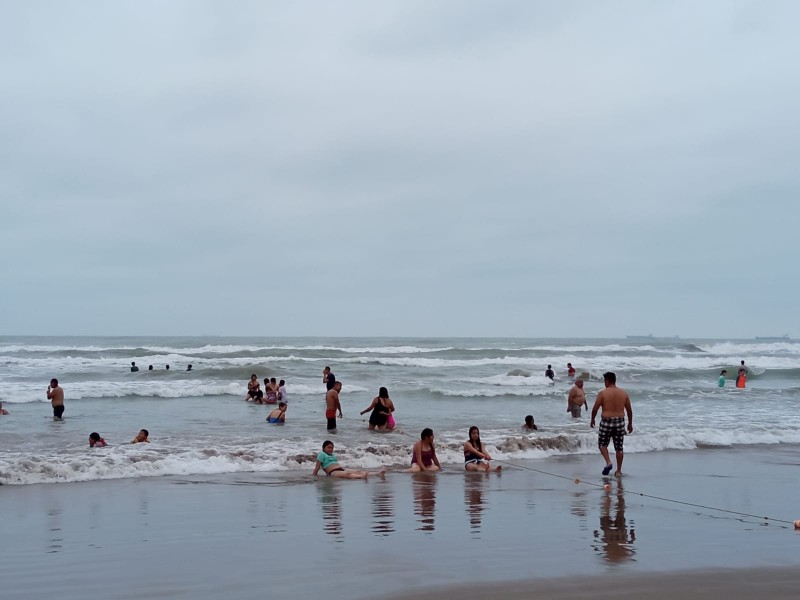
[774, 338]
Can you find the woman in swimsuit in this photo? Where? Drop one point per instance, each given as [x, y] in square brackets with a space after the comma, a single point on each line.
[254, 389]
[278, 415]
[423, 455]
[382, 408]
[271, 391]
[476, 458]
[328, 463]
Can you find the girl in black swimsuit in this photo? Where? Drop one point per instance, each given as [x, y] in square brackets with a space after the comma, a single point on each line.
[476, 458]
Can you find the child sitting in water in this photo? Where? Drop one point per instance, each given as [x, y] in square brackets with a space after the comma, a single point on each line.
[96, 440]
[278, 415]
[141, 437]
[529, 424]
[328, 462]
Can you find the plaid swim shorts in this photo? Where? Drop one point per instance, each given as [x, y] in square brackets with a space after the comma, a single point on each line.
[612, 428]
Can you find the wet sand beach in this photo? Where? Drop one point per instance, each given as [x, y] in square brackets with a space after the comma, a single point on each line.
[289, 536]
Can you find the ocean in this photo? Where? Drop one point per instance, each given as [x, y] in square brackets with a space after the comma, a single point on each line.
[200, 424]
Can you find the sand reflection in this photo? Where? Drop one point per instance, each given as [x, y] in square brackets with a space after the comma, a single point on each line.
[54, 535]
[424, 486]
[382, 508]
[613, 538]
[474, 487]
[330, 501]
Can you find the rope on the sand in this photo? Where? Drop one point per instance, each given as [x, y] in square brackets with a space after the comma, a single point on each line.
[796, 524]
[643, 495]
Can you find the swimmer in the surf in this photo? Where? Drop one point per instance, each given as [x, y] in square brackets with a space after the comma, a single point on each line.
[254, 392]
[476, 458]
[549, 373]
[283, 396]
[423, 454]
[529, 424]
[327, 461]
[328, 378]
[570, 371]
[382, 408]
[721, 380]
[271, 391]
[95, 441]
[576, 399]
[55, 393]
[143, 437]
[3, 411]
[278, 415]
[332, 405]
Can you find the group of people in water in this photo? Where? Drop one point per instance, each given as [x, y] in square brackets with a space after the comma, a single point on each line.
[423, 458]
[135, 369]
[613, 403]
[741, 377]
[95, 441]
[274, 391]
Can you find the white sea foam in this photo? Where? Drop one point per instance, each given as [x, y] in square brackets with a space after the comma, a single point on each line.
[750, 348]
[82, 464]
[28, 392]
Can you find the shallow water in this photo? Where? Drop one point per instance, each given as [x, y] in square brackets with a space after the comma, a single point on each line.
[200, 424]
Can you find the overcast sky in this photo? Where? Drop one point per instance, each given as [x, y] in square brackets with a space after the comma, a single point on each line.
[400, 168]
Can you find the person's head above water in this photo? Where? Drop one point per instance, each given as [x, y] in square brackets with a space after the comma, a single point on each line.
[529, 420]
[610, 378]
[724, 372]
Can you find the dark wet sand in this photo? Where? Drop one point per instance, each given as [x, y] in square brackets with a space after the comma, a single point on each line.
[742, 584]
[518, 534]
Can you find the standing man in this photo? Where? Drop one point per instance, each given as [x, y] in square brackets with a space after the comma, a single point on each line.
[134, 368]
[328, 378]
[56, 396]
[576, 399]
[549, 372]
[615, 404]
[332, 404]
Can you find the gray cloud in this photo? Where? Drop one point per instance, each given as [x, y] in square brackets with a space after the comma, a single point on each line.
[522, 168]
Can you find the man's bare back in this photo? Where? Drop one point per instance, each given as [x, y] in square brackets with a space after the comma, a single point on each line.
[614, 401]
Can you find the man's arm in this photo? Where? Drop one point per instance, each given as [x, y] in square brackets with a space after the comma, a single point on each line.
[629, 410]
[569, 399]
[339, 406]
[597, 404]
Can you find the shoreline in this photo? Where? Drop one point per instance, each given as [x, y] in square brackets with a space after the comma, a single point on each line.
[498, 534]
